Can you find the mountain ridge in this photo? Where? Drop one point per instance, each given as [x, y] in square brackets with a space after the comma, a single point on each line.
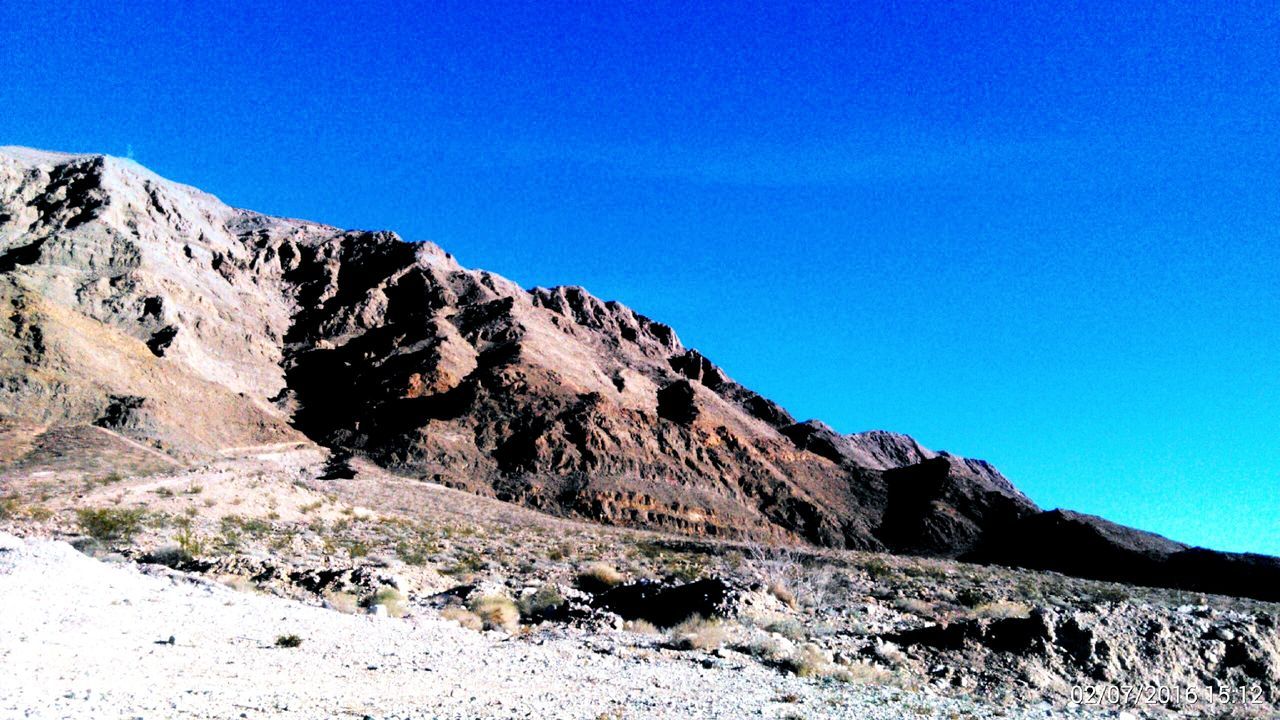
[154, 310]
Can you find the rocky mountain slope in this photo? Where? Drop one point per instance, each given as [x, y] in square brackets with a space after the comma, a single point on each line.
[151, 311]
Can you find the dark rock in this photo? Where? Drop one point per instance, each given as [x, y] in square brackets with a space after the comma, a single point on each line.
[665, 604]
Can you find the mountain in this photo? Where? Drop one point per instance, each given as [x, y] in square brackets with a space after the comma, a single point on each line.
[153, 312]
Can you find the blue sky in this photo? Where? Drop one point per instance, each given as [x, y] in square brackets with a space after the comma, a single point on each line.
[1045, 236]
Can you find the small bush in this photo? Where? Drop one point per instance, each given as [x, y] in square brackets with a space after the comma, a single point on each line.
[189, 542]
[809, 661]
[342, 602]
[546, 601]
[288, 641]
[599, 577]
[496, 612]
[915, 606]
[463, 617]
[768, 648]
[8, 508]
[878, 570]
[789, 629]
[698, 633]
[111, 524]
[972, 597]
[641, 627]
[390, 598]
[1002, 610]
[862, 673]
[780, 590]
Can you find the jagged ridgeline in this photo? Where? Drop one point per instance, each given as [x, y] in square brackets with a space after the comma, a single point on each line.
[154, 311]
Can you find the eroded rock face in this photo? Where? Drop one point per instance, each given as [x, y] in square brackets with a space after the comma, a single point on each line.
[153, 310]
[1188, 649]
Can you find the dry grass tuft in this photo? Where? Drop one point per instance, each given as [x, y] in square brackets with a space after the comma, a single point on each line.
[1002, 610]
[496, 612]
[463, 617]
[698, 633]
[343, 602]
[598, 577]
[390, 598]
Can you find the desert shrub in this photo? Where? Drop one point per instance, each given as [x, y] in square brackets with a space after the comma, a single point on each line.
[890, 654]
[809, 661]
[915, 606]
[878, 569]
[189, 542]
[598, 577]
[343, 602]
[641, 627]
[469, 562]
[768, 648]
[1001, 610]
[111, 524]
[239, 524]
[39, 513]
[862, 673]
[1111, 593]
[357, 548]
[8, 508]
[698, 633]
[288, 641]
[788, 628]
[972, 597]
[543, 602]
[496, 612]
[463, 617]
[416, 551]
[788, 577]
[390, 598]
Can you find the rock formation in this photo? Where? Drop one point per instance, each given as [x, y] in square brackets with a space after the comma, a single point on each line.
[152, 310]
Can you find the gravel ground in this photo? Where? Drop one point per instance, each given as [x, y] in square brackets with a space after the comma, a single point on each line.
[80, 638]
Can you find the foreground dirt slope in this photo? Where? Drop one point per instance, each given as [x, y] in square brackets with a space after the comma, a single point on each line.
[152, 310]
[815, 626]
[75, 623]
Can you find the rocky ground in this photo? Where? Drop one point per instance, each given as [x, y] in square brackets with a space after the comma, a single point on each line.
[84, 638]
[484, 609]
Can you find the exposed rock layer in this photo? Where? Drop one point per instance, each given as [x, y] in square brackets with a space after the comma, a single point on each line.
[155, 311]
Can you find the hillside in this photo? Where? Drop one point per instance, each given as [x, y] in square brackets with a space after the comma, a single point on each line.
[151, 317]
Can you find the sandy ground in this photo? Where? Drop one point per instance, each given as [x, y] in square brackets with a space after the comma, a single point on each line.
[80, 638]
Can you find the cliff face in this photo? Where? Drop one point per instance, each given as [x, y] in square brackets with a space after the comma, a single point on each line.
[154, 310]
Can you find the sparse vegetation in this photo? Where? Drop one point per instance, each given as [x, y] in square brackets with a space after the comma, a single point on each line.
[698, 633]
[496, 612]
[189, 542]
[1001, 610]
[390, 598]
[542, 603]
[108, 525]
[288, 641]
[599, 577]
[343, 602]
[463, 617]
[641, 627]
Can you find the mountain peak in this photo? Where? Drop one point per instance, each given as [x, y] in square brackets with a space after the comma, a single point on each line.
[153, 310]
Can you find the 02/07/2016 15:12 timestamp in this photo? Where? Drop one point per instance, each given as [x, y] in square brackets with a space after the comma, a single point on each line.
[1134, 695]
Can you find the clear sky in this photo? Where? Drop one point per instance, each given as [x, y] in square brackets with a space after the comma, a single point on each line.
[1045, 234]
